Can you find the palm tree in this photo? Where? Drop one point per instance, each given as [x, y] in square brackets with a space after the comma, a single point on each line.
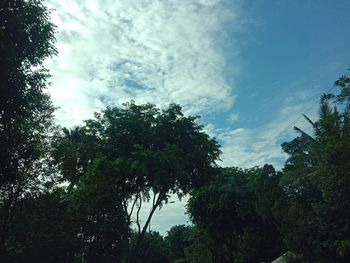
[317, 183]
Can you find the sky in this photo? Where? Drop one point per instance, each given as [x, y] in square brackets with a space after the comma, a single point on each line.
[248, 68]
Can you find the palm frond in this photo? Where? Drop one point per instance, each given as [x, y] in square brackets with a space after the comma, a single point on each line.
[305, 134]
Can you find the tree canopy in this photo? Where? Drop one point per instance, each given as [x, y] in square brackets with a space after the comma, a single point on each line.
[126, 156]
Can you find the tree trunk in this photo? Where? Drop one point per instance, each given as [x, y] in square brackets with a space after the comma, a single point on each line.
[144, 229]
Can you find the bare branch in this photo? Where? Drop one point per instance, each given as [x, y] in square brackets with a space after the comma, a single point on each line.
[132, 207]
[138, 213]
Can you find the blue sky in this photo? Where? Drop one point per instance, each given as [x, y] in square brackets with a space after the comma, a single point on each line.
[295, 46]
[249, 68]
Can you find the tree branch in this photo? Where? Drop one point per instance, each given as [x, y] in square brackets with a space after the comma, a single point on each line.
[132, 207]
[138, 212]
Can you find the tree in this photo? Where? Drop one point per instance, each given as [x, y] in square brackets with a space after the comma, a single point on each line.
[316, 220]
[234, 218]
[344, 84]
[97, 215]
[41, 230]
[26, 39]
[178, 239]
[147, 154]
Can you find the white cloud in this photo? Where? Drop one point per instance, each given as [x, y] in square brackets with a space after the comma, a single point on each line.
[248, 147]
[233, 117]
[158, 51]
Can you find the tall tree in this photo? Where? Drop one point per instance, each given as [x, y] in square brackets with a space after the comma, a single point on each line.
[147, 154]
[26, 40]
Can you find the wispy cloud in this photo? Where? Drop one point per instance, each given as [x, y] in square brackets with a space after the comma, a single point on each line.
[248, 147]
[233, 117]
[157, 51]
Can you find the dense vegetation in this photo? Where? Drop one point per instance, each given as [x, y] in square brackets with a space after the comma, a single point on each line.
[75, 195]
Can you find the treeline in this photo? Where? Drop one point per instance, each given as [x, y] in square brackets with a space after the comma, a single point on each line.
[75, 195]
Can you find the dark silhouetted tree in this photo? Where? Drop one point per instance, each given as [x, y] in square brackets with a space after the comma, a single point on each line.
[26, 39]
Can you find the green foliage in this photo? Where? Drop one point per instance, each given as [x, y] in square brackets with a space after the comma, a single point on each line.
[178, 239]
[315, 221]
[72, 152]
[26, 39]
[234, 217]
[202, 247]
[99, 219]
[41, 230]
[344, 84]
[153, 249]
